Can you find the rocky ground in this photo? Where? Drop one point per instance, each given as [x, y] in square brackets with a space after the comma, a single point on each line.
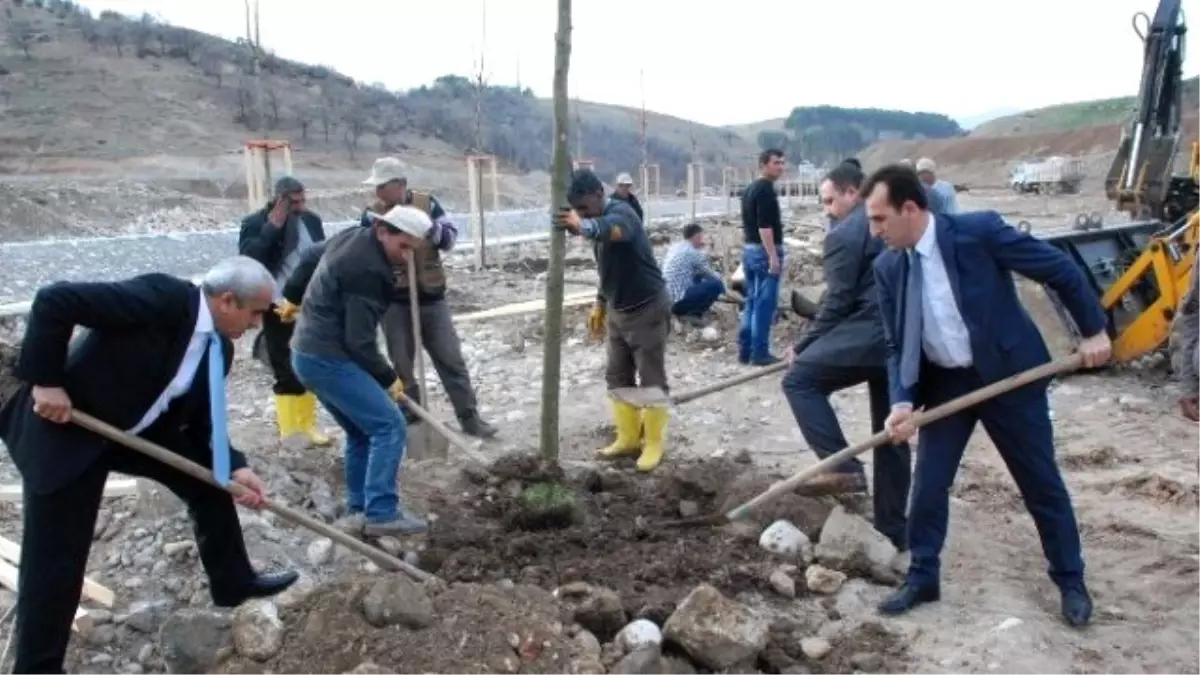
[610, 590]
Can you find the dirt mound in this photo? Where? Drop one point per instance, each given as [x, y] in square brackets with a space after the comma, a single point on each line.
[613, 538]
[474, 629]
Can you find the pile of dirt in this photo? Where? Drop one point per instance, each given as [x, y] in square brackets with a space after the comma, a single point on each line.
[472, 628]
[614, 538]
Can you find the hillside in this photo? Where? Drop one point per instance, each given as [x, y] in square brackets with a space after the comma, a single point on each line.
[80, 93]
[827, 134]
[1078, 115]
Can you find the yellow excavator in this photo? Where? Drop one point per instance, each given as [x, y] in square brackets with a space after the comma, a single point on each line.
[1142, 270]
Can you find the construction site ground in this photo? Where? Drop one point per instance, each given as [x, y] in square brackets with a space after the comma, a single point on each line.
[1129, 458]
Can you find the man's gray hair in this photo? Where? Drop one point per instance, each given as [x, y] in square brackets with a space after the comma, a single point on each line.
[244, 277]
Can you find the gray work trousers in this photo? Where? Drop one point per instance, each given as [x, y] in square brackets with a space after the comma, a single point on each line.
[443, 346]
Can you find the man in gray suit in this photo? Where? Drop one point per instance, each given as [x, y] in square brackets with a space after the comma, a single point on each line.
[844, 347]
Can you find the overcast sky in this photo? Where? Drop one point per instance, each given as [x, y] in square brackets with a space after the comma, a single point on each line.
[717, 63]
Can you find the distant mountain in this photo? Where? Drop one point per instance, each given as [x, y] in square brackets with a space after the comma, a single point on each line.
[969, 122]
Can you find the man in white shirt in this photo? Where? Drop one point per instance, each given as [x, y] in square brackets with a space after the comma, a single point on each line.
[153, 362]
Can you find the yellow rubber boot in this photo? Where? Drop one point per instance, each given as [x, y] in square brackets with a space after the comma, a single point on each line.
[285, 414]
[306, 419]
[655, 422]
[629, 425]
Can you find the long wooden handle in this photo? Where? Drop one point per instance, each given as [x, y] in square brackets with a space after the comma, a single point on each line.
[720, 385]
[919, 419]
[414, 306]
[198, 472]
[455, 440]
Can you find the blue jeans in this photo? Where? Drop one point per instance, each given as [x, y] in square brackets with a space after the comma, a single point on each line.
[699, 297]
[762, 300]
[374, 426]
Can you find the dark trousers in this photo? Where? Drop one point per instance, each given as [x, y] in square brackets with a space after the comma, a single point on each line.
[1019, 425]
[57, 535]
[637, 345]
[277, 335]
[807, 387]
[440, 340]
[699, 297]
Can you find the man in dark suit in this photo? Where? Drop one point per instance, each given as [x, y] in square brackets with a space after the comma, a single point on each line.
[143, 365]
[277, 235]
[954, 324]
[844, 347]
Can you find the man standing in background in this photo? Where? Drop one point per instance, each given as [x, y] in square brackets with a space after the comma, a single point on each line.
[438, 335]
[624, 193]
[927, 172]
[277, 235]
[691, 281]
[762, 260]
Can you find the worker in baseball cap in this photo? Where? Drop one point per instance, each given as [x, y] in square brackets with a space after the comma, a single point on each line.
[624, 192]
[389, 178]
[927, 172]
[632, 306]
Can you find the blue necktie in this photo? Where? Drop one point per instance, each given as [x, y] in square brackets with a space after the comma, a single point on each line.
[216, 402]
[910, 353]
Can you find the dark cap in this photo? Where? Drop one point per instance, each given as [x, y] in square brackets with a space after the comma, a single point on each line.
[583, 182]
[287, 185]
[853, 161]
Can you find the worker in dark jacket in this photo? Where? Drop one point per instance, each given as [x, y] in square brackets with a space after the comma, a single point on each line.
[635, 309]
[277, 235]
[624, 193]
[335, 353]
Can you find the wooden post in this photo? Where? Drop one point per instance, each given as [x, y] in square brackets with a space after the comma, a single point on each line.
[475, 197]
[418, 346]
[552, 351]
[695, 183]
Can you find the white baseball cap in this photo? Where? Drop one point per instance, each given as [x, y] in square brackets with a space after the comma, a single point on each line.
[926, 164]
[624, 179]
[386, 170]
[407, 219]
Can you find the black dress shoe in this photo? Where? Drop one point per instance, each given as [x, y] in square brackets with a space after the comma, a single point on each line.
[1076, 606]
[263, 586]
[909, 597]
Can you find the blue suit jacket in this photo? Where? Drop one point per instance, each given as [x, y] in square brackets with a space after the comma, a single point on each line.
[981, 252]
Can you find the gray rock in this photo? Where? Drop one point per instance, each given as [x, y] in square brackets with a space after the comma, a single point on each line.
[596, 608]
[783, 583]
[320, 551]
[851, 544]
[815, 648]
[147, 616]
[823, 580]
[193, 641]
[715, 631]
[102, 636]
[396, 599]
[644, 661]
[296, 593]
[867, 661]
[257, 630]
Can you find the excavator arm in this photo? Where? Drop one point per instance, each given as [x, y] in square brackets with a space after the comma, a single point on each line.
[1140, 180]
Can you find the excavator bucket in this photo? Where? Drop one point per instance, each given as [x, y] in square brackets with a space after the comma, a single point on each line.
[1139, 271]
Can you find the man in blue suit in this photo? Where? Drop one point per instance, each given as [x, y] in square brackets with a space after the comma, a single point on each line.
[953, 324]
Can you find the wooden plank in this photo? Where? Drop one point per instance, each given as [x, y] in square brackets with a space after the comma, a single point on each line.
[11, 551]
[8, 579]
[525, 307]
[120, 487]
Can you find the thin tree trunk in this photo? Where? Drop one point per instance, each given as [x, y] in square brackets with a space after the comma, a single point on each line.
[552, 354]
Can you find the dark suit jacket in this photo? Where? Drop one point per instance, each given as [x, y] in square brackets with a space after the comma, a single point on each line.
[268, 244]
[138, 332]
[847, 330]
[981, 252]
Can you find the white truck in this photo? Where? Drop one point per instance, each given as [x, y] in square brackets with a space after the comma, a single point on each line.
[1053, 175]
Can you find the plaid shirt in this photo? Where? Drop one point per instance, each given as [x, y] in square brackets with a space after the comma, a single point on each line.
[682, 265]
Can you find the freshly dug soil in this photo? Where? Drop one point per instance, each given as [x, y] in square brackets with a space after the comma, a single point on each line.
[476, 629]
[483, 533]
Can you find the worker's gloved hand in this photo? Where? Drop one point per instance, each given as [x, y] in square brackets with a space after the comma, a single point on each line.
[396, 390]
[596, 320]
[286, 311]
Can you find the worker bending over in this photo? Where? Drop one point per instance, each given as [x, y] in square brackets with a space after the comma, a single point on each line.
[634, 308]
[343, 288]
[954, 324]
[152, 363]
